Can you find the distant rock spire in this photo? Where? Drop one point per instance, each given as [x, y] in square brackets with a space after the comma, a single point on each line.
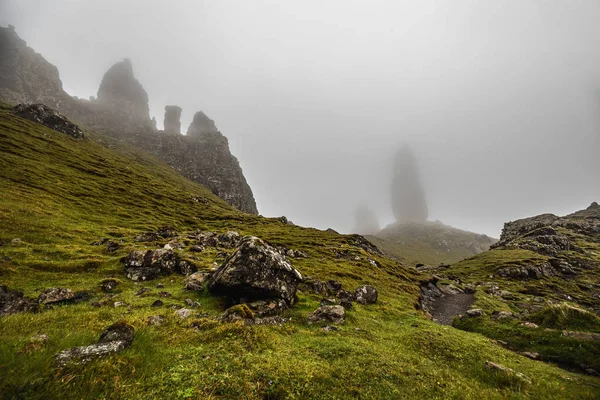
[172, 119]
[366, 221]
[201, 125]
[408, 196]
[120, 88]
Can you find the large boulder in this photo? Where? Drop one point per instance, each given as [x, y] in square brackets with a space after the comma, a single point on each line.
[255, 271]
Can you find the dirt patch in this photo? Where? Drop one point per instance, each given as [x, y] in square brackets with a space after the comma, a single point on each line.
[450, 305]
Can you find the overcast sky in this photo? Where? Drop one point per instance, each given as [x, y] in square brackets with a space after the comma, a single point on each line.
[500, 99]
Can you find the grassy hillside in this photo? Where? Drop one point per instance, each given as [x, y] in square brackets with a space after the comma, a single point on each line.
[429, 243]
[59, 195]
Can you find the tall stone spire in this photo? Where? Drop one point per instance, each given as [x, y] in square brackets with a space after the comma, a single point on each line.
[172, 119]
[408, 196]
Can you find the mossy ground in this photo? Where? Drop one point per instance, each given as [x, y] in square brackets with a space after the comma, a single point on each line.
[60, 194]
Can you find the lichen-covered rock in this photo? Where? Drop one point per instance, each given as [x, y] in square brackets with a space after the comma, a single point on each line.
[109, 284]
[44, 115]
[195, 281]
[238, 312]
[113, 339]
[255, 271]
[229, 239]
[13, 301]
[330, 314]
[143, 265]
[366, 294]
[55, 295]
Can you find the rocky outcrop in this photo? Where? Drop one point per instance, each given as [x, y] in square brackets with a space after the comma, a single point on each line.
[146, 265]
[172, 123]
[514, 229]
[121, 111]
[408, 195]
[201, 126]
[25, 76]
[255, 271]
[42, 114]
[13, 301]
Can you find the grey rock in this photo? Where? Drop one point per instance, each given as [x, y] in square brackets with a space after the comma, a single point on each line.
[172, 122]
[330, 314]
[156, 320]
[48, 117]
[195, 281]
[366, 294]
[255, 271]
[55, 295]
[474, 312]
[13, 302]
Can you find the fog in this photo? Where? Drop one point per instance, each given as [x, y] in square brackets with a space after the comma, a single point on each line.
[499, 100]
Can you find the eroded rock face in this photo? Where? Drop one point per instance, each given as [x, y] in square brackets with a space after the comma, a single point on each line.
[514, 229]
[172, 121]
[202, 126]
[121, 111]
[255, 271]
[120, 88]
[48, 117]
[113, 339]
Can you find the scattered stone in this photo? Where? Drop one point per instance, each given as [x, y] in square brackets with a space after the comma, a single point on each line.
[310, 285]
[12, 302]
[346, 303]
[329, 302]
[118, 304]
[157, 303]
[108, 285]
[582, 335]
[114, 339]
[474, 312]
[529, 325]
[506, 295]
[333, 286]
[156, 320]
[274, 320]
[197, 248]
[46, 116]
[238, 312]
[264, 308]
[184, 313]
[160, 285]
[142, 291]
[507, 371]
[502, 315]
[366, 294]
[95, 304]
[530, 354]
[164, 294]
[35, 343]
[16, 242]
[229, 239]
[195, 281]
[255, 271]
[334, 314]
[329, 328]
[55, 295]
[146, 265]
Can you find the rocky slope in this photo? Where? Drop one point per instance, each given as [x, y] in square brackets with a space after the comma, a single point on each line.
[118, 275]
[121, 111]
[537, 289]
[429, 242]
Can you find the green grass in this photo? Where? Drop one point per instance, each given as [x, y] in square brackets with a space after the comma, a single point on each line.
[59, 195]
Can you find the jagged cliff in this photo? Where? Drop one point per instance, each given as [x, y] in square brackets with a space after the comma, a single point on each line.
[121, 111]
